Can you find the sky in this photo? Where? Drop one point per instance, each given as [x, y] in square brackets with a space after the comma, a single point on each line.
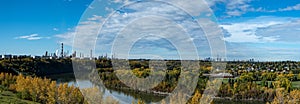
[265, 30]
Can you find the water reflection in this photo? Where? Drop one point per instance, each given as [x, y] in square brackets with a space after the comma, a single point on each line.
[123, 96]
[128, 96]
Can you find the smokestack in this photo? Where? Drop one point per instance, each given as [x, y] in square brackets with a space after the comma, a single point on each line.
[62, 50]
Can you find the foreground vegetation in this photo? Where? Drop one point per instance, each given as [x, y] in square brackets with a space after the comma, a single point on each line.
[41, 90]
[270, 82]
[8, 97]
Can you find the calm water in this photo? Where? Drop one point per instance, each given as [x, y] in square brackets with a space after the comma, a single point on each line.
[125, 96]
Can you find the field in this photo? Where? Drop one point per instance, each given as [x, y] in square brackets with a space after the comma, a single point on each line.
[8, 97]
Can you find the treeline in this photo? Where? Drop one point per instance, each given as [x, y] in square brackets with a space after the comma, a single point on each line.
[167, 85]
[43, 67]
[41, 90]
[252, 80]
[278, 91]
[45, 91]
[36, 67]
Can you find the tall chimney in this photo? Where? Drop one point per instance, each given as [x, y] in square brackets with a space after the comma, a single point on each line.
[62, 50]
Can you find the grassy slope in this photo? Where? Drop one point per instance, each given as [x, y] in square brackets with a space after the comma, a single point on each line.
[7, 97]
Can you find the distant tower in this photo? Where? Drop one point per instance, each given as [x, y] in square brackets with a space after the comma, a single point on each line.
[46, 54]
[62, 50]
[91, 54]
[74, 54]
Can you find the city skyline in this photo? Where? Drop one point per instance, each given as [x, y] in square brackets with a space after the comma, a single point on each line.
[258, 29]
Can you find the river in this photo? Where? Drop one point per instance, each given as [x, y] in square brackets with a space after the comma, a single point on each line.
[125, 96]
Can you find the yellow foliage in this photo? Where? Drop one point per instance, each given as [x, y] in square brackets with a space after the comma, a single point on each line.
[196, 98]
[163, 102]
[6, 79]
[46, 91]
[140, 102]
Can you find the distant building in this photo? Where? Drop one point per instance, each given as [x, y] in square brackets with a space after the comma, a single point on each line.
[46, 54]
[219, 75]
[46, 57]
[36, 57]
[6, 56]
[74, 54]
[52, 57]
[23, 56]
[208, 59]
[15, 56]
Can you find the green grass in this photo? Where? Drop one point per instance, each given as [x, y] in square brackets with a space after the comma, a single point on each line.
[296, 84]
[225, 80]
[8, 97]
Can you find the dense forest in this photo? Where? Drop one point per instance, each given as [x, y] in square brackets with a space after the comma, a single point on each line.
[274, 82]
[271, 82]
[36, 67]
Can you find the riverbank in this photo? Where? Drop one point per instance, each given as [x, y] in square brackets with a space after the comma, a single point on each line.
[147, 96]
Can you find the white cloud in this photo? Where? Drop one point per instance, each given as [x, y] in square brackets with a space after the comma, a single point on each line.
[262, 29]
[239, 7]
[264, 39]
[96, 18]
[87, 31]
[66, 38]
[290, 8]
[90, 7]
[32, 37]
[55, 29]
[287, 32]
[121, 1]
[245, 39]
[109, 9]
[234, 7]
[193, 7]
[244, 32]
[234, 13]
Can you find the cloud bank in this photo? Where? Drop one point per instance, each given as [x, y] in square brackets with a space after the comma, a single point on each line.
[32, 37]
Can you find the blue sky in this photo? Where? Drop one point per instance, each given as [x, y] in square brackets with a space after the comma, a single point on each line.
[260, 29]
[41, 17]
